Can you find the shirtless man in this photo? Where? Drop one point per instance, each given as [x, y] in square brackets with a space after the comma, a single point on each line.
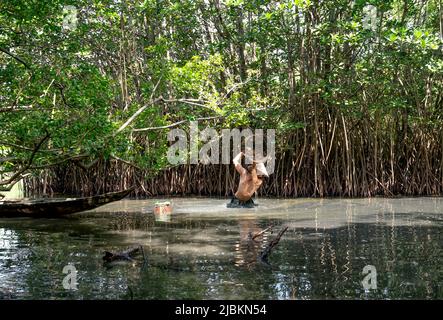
[251, 179]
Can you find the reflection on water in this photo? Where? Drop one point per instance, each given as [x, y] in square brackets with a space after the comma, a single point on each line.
[206, 251]
[162, 217]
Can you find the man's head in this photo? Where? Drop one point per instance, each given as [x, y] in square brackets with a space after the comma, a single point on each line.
[249, 167]
[261, 170]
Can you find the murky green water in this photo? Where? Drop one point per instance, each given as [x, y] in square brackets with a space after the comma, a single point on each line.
[204, 251]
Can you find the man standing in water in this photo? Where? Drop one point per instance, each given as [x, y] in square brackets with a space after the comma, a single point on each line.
[251, 179]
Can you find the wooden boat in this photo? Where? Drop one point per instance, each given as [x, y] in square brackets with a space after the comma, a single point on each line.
[57, 206]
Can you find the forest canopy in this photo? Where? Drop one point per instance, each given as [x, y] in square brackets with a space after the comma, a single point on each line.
[89, 88]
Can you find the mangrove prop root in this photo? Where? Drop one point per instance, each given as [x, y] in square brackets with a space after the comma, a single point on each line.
[267, 251]
[294, 175]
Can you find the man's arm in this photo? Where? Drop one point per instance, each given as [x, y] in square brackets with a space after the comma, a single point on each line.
[237, 163]
[254, 172]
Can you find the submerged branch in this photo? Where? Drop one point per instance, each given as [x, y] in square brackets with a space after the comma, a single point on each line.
[258, 234]
[267, 251]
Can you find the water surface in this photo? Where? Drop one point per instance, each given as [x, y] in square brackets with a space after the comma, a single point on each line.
[205, 252]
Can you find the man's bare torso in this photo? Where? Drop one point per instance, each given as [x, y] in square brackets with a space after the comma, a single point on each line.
[249, 182]
[247, 187]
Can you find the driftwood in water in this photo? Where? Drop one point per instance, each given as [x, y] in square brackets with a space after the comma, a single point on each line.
[127, 255]
[267, 251]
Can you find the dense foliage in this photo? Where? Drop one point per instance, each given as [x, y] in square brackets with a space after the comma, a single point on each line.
[356, 99]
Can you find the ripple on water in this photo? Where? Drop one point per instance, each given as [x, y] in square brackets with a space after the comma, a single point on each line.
[204, 251]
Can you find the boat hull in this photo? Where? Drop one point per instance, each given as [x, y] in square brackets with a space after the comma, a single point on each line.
[58, 207]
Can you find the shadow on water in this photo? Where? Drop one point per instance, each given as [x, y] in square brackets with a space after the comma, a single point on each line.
[207, 253]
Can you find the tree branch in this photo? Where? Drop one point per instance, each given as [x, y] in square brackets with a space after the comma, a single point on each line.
[13, 145]
[16, 109]
[192, 102]
[18, 174]
[7, 159]
[16, 58]
[175, 124]
[126, 162]
[13, 183]
[135, 115]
